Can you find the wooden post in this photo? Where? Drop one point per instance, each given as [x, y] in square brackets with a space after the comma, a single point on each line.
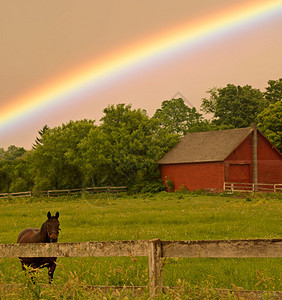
[155, 267]
[255, 157]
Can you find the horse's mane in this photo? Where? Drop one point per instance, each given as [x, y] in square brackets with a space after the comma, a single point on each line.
[43, 226]
[43, 230]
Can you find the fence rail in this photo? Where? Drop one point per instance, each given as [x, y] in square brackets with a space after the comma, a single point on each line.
[250, 187]
[155, 250]
[56, 193]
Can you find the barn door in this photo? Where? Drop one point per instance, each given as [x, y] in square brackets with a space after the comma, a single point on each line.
[239, 173]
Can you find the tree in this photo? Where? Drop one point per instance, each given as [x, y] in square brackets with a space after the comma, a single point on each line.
[15, 174]
[21, 175]
[177, 117]
[5, 173]
[270, 123]
[38, 140]
[2, 154]
[234, 105]
[208, 105]
[53, 161]
[273, 92]
[12, 153]
[125, 148]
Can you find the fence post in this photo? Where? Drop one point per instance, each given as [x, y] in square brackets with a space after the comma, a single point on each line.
[155, 267]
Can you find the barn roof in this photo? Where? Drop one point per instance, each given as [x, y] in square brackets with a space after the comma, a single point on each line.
[205, 146]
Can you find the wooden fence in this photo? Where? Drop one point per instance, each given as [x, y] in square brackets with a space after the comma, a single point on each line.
[250, 187]
[56, 193]
[228, 187]
[155, 250]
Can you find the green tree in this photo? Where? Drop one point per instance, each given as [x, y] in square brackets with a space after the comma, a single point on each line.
[208, 105]
[270, 123]
[177, 117]
[12, 153]
[38, 140]
[53, 161]
[234, 105]
[2, 154]
[125, 148]
[21, 175]
[5, 176]
[273, 92]
[15, 174]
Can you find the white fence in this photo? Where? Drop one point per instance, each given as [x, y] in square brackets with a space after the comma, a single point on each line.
[252, 187]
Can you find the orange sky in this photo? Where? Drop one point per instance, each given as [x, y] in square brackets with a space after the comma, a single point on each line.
[42, 39]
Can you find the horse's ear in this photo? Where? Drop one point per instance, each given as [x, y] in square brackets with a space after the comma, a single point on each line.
[57, 215]
[49, 215]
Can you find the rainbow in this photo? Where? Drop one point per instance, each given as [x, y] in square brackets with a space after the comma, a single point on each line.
[90, 75]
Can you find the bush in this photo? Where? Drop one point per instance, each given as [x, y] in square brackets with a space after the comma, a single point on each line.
[169, 184]
[147, 187]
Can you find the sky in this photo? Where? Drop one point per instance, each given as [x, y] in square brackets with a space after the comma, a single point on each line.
[63, 60]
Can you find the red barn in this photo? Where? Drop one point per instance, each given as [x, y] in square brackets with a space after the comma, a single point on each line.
[208, 160]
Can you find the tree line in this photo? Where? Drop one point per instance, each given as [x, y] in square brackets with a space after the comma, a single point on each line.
[126, 145]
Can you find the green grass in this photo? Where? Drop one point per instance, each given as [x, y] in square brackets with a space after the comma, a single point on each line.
[168, 216]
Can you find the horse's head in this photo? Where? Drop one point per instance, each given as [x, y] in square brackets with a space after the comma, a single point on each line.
[52, 225]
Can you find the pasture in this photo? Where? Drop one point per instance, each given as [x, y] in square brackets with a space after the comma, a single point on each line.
[168, 216]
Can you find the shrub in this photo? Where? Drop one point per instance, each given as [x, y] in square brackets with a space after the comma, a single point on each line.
[169, 184]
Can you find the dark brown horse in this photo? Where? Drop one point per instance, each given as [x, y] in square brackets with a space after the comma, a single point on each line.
[47, 234]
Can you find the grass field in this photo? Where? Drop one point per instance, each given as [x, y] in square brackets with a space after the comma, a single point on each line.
[168, 216]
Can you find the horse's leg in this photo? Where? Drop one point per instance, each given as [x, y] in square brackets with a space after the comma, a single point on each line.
[51, 270]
